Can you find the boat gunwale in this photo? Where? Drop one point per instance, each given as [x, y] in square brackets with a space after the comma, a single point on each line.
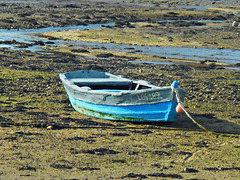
[152, 95]
[120, 92]
[73, 85]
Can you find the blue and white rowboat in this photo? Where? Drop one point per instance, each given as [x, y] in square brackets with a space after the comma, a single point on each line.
[107, 96]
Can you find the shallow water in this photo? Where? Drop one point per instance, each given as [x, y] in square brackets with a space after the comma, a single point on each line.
[154, 62]
[220, 55]
[199, 8]
[26, 36]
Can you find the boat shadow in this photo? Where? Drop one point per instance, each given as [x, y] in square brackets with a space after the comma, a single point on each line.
[208, 121]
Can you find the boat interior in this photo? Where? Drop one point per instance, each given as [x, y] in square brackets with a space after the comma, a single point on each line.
[104, 81]
[114, 86]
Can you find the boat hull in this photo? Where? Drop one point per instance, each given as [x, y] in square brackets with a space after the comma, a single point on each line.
[107, 96]
[163, 111]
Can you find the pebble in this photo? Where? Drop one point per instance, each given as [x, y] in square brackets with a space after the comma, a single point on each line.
[49, 127]
[190, 170]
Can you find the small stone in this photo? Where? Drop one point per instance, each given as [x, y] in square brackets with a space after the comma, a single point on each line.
[156, 165]
[161, 153]
[211, 169]
[49, 127]
[201, 144]
[190, 170]
[27, 167]
[133, 175]
[169, 145]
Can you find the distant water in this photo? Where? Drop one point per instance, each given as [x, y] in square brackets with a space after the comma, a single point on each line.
[25, 36]
[220, 55]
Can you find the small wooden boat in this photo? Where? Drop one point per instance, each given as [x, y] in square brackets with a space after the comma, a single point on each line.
[107, 96]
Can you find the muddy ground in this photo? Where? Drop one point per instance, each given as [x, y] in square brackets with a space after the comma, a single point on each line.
[42, 137]
[62, 13]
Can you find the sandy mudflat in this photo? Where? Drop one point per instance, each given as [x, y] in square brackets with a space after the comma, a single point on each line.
[42, 137]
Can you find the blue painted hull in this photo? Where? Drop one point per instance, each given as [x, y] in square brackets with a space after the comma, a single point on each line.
[107, 96]
[163, 111]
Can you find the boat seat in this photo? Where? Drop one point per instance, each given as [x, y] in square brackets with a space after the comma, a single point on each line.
[100, 81]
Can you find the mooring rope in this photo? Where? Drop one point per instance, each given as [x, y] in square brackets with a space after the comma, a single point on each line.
[199, 125]
[181, 105]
